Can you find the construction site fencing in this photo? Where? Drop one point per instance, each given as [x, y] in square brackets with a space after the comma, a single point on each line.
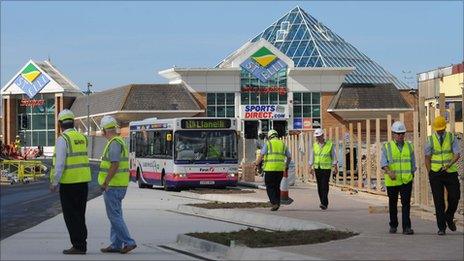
[23, 171]
[359, 151]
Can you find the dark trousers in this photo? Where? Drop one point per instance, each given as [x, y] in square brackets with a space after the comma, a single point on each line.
[272, 181]
[405, 192]
[73, 202]
[322, 178]
[438, 181]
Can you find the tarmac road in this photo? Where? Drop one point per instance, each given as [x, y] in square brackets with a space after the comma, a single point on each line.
[26, 205]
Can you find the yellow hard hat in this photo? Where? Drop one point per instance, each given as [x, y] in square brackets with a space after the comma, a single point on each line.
[439, 123]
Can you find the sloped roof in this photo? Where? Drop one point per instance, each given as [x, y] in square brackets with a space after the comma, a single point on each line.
[137, 97]
[57, 76]
[361, 96]
[309, 43]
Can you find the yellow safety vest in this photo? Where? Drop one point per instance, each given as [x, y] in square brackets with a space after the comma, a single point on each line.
[400, 163]
[76, 168]
[442, 154]
[274, 160]
[121, 178]
[323, 156]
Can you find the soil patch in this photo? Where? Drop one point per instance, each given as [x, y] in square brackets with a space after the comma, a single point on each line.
[221, 191]
[216, 205]
[261, 238]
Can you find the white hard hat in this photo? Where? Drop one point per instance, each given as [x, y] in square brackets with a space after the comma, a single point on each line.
[318, 132]
[398, 127]
[66, 115]
[108, 122]
[272, 133]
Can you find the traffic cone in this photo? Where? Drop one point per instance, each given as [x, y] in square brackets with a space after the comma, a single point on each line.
[284, 198]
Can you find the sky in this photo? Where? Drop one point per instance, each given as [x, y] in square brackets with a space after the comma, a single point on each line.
[114, 43]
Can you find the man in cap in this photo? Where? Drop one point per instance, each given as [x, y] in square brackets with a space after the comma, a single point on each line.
[71, 171]
[398, 162]
[114, 179]
[441, 154]
[322, 161]
[273, 155]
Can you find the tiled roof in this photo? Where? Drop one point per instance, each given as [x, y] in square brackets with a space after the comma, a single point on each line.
[137, 97]
[361, 96]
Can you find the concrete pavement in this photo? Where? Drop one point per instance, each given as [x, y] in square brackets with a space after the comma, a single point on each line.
[152, 222]
[350, 212]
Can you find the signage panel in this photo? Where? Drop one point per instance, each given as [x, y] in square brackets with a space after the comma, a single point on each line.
[31, 103]
[263, 64]
[264, 112]
[205, 124]
[31, 80]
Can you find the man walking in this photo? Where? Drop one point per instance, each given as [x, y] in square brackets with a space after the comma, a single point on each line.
[71, 171]
[273, 155]
[398, 162]
[441, 154]
[322, 161]
[113, 179]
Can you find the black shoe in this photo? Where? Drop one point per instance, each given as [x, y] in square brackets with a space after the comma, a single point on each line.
[73, 251]
[392, 230]
[451, 225]
[408, 231]
[322, 206]
[275, 207]
[441, 232]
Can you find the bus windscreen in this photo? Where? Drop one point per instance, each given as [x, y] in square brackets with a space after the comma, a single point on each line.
[200, 146]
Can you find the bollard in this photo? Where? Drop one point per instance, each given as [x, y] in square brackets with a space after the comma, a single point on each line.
[284, 198]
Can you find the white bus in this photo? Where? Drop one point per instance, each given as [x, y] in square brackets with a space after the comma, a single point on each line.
[183, 152]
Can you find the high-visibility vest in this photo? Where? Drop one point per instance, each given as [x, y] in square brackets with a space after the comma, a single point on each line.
[213, 152]
[121, 178]
[400, 163]
[442, 153]
[274, 160]
[323, 156]
[76, 167]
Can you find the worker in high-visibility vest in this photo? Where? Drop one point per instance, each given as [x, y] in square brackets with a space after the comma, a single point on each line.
[276, 158]
[71, 174]
[398, 162]
[113, 178]
[441, 154]
[323, 161]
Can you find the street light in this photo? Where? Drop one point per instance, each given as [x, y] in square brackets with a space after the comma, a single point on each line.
[88, 108]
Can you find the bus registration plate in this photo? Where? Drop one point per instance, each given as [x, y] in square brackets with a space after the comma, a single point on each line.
[206, 182]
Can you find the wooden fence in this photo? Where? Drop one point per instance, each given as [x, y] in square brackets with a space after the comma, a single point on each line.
[362, 172]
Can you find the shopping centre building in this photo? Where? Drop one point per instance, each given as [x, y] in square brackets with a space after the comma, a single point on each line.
[295, 75]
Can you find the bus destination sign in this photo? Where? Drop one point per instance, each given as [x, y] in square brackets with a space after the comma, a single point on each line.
[205, 124]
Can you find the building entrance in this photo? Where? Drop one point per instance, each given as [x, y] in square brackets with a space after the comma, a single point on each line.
[280, 127]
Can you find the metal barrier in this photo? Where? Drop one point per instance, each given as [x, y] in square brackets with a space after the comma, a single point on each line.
[13, 171]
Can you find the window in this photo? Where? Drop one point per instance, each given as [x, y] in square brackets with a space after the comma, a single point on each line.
[306, 105]
[220, 105]
[36, 124]
[264, 93]
[151, 144]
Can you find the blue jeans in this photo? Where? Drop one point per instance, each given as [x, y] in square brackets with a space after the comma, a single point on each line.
[119, 236]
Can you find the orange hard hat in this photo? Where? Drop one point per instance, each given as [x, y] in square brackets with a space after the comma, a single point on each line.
[439, 123]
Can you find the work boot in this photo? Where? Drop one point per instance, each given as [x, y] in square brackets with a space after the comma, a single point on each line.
[451, 225]
[408, 231]
[73, 251]
[322, 206]
[275, 207]
[441, 232]
[392, 230]
[110, 249]
[126, 249]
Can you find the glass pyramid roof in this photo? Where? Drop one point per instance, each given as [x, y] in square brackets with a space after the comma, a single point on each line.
[309, 43]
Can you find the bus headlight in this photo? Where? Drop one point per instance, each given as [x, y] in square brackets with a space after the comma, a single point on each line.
[180, 175]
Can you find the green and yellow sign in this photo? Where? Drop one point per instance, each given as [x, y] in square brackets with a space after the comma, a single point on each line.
[264, 57]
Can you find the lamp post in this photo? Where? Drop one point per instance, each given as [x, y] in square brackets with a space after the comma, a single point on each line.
[88, 108]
